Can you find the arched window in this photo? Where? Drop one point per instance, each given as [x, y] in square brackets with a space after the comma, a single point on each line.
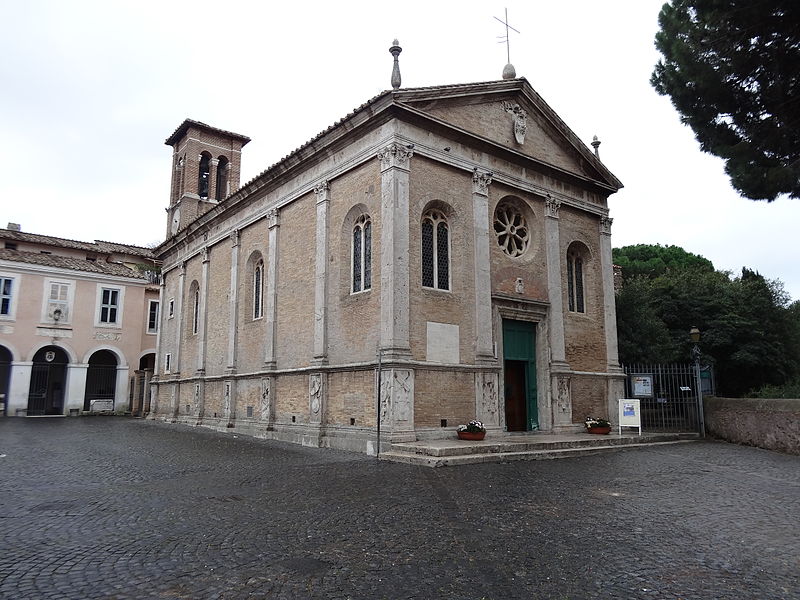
[195, 309]
[435, 251]
[203, 175]
[222, 178]
[362, 254]
[576, 301]
[258, 290]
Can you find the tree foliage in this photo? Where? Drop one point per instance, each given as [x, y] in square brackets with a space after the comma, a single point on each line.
[654, 260]
[750, 331]
[731, 70]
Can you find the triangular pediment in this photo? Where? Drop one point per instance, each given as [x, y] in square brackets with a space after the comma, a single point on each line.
[512, 115]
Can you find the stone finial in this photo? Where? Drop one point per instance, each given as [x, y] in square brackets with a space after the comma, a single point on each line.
[395, 51]
[509, 72]
[596, 146]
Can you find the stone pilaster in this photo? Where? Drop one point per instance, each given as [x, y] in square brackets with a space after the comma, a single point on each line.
[395, 164]
[560, 402]
[484, 347]
[321, 276]
[271, 293]
[616, 387]
[175, 368]
[202, 317]
[233, 302]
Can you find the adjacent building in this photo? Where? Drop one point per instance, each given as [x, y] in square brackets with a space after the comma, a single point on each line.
[78, 325]
[440, 254]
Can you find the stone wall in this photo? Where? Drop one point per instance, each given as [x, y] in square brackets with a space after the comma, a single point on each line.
[773, 424]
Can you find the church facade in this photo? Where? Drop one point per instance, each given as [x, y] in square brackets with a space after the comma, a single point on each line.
[439, 255]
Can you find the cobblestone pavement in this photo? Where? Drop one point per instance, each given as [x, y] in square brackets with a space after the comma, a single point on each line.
[122, 508]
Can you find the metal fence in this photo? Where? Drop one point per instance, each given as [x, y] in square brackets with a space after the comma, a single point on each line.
[668, 394]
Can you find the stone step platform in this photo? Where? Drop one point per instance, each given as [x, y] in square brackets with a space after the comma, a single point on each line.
[529, 446]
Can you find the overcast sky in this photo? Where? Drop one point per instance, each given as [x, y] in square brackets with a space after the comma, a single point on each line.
[90, 91]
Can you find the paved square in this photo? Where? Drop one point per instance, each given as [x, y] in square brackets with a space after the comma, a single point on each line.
[120, 508]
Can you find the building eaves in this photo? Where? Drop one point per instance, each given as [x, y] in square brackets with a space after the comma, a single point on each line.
[187, 123]
[47, 240]
[124, 249]
[68, 262]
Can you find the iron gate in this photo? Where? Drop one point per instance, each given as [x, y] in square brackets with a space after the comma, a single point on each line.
[37, 396]
[101, 382]
[668, 394]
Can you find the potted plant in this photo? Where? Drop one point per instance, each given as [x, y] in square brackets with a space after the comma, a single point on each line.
[474, 430]
[595, 425]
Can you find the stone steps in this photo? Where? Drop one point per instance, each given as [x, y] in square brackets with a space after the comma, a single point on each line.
[440, 453]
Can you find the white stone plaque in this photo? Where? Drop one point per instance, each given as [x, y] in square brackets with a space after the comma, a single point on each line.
[443, 343]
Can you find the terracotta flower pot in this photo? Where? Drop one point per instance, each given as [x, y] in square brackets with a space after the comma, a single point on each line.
[467, 435]
[600, 430]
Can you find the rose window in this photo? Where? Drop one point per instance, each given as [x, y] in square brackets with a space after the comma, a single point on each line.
[511, 229]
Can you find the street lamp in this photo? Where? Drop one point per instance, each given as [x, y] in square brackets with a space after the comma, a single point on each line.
[694, 335]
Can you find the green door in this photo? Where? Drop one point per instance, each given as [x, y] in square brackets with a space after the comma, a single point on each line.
[519, 356]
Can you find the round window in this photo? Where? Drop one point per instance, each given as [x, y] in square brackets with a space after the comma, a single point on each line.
[511, 229]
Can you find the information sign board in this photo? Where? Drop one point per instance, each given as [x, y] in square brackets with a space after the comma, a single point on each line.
[642, 385]
[630, 414]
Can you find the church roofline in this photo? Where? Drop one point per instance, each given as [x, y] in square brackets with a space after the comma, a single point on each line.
[385, 104]
[187, 123]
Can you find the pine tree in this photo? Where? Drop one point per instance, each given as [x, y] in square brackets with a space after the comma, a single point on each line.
[732, 70]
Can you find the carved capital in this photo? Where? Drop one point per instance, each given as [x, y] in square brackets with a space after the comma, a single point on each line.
[481, 182]
[605, 225]
[204, 253]
[182, 268]
[272, 218]
[214, 162]
[520, 120]
[395, 155]
[322, 191]
[234, 237]
[551, 206]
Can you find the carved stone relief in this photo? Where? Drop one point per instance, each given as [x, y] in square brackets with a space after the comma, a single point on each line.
[266, 398]
[564, 402]
[489, 406]
[520, 120]
[272, 218]
[322, 191]
[481, 182]
[396, 396]
[315, 395]
[395, 155]
[551, 206]
[227, 403]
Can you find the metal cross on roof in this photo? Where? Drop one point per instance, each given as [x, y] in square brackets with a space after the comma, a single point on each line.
[504, 38]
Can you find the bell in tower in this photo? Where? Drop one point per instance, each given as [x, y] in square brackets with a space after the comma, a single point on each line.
[206, 169]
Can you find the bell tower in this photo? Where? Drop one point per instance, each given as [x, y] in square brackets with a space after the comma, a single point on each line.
[206, 166]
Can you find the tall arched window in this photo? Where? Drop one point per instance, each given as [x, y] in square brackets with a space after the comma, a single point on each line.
[204, 175]
[258, 290]
[576, 301]
[195, 309]
[362, 254]
[435, 251]
[222, 178]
